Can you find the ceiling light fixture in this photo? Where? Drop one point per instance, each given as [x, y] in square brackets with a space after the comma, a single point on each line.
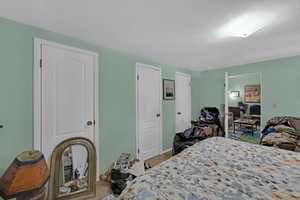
[247, 24]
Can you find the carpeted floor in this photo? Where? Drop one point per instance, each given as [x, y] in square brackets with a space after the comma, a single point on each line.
[245, 136]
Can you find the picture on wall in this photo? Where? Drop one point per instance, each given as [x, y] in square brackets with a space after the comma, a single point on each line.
[169, 89]
[252, 94]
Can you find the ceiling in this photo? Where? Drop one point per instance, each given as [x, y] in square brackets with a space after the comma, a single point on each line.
[183, 33]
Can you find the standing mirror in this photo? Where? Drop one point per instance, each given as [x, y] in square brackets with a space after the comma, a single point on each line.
[73, 170]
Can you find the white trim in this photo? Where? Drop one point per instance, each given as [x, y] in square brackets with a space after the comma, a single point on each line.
[183, 74]
[190, 95]
[226, 112]
[161, 111]
[37, 94]
[241, 75]
[96, 114]
[261, 101]
[167, 150]
[137, 107]
[137, 142]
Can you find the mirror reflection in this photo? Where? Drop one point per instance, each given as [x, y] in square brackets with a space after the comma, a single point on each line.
[74, 170]
[244, 107]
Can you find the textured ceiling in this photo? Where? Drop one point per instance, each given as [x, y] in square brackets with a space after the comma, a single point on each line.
[184, 33]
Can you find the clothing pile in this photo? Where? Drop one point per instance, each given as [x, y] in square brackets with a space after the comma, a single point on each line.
[209, 120]
[187, 138]
[208, 125]
[125, 169]
[282, 132]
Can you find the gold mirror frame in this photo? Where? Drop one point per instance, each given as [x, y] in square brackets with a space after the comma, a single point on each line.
[56, 163]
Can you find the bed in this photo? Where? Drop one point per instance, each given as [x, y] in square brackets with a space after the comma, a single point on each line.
[219, 168]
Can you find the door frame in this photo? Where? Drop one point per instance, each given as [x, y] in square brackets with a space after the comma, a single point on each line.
[226, 112]
[137, 108]
[227, 77]
[190, 95]
[37, 94]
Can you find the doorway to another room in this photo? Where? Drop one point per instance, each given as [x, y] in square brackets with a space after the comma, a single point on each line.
[243, 98]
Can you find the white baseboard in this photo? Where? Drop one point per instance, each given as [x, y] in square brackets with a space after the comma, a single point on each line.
[167, 150]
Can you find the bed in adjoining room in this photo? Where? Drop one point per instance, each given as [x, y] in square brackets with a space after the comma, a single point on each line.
[219, 169]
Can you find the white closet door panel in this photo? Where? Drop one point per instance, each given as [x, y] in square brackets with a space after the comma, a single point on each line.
[149, 100]
[183, 102]
[67, 96]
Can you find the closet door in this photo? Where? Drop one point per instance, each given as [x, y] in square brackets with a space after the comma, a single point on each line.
[149, 129]
[67, 96]
[183, 101]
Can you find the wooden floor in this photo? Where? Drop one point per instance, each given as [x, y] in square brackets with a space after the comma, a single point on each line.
[159, 159]
[103, 188]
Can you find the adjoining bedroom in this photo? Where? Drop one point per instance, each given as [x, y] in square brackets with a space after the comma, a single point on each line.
[149, 100]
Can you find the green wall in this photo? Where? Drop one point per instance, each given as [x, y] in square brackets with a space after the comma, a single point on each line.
[238, 84]
[280, 86]
[117, 94]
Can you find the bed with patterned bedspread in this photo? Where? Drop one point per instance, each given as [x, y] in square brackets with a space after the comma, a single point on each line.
[219, 168]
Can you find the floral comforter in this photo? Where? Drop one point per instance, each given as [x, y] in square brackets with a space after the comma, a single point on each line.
[219, 168]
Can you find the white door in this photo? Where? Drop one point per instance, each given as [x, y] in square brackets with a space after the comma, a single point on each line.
[183, 101]
[149, 130]
[67, 93]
